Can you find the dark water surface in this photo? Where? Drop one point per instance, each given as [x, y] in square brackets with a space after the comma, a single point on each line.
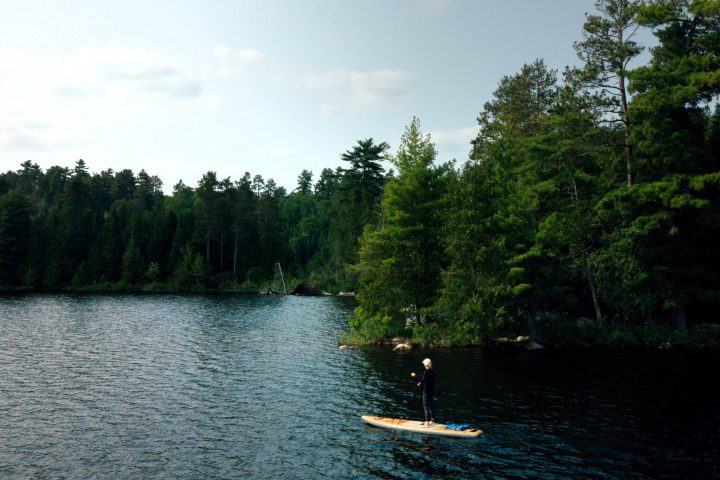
[255, 387]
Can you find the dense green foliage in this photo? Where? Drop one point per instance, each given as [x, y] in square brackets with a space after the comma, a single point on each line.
[588, 210]
[588, 207]
[402, 257]
[69, 229]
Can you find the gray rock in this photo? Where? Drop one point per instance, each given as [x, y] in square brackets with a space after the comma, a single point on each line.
[584, 322]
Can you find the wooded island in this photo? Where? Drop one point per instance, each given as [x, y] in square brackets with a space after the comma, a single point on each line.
[592, 195]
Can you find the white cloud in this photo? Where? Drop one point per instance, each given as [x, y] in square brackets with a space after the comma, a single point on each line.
[330, 80]
[107, 71]
[74, 96]
[328, 109]
[124, 71]
[380, 86]
[233, 62]
[36, 139]
[21, 140]
[282, 152]
[460, 136]
[247, 55]
[37, 121]
[358, 89]
[453, 144]
[69, 91]
[175, 87]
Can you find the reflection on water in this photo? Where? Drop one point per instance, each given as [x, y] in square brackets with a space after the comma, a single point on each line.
[246, 386]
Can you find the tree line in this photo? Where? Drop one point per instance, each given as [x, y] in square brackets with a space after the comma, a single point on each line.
[70, 229]
[591, 194]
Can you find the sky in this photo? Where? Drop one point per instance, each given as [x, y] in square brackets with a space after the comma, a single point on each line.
[270, 87]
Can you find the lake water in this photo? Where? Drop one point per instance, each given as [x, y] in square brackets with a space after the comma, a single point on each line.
[103, 386]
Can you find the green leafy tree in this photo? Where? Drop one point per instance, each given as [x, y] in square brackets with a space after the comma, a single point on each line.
[15, 234]
[258, 185]
[183, 274]
[71, 224]
[270, 234]
[304, 229]
[305, 182]
[181, 206]
[133, 264]
[496, 278]
[401, 259]
[209, 216]
[226, 215]
[152, 274]
[660, 230]
[199, 271]
[355, 204]
[111, 241]
[245, 226]
[606, 50]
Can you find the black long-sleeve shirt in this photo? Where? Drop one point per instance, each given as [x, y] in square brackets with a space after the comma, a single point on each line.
[428, 382]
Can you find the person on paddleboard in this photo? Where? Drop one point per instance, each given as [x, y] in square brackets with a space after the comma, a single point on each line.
[427, 382]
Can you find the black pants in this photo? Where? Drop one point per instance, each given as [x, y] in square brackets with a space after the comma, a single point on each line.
[428, 407]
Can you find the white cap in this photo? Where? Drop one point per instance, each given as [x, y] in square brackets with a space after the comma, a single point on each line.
[427, 362]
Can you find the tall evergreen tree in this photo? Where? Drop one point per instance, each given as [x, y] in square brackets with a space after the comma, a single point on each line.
[245, 226]
[209, 211]
[15, 234]
[355, 204]
[401, 259]
[133, 263]
[495, 280]
[606, 50]
[662, 226]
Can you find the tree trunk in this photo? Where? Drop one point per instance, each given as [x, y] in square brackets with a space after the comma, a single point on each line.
[596, 300]
[237, 234]
[207, 248]
[681, 319]
[282, 277]
[626, 125]
[222, 253]
[532, 331]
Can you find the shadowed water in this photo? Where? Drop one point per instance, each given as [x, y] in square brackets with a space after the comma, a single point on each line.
[255, 387]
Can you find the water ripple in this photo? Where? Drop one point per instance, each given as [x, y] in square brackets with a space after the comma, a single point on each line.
[255, 387]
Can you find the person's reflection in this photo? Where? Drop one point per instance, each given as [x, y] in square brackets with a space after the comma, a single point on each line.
[426, 447]
[417, 456]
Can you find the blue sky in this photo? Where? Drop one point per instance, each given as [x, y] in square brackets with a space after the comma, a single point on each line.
[270, 87]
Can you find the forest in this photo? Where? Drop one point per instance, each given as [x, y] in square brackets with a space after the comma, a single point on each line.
[587, 211]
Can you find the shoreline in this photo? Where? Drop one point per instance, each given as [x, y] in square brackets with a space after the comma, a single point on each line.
[652, 338]
[155, 291]
[704, 336]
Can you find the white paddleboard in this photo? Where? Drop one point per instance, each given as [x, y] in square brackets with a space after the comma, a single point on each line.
[418, 427]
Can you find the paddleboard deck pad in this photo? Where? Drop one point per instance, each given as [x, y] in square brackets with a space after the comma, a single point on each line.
[417, 427]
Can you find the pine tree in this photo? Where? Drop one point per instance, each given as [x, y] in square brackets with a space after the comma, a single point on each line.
[606, 50]
[401, 259]
[133, 264]
[355, 204]
[15, 231]
[657, 254]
